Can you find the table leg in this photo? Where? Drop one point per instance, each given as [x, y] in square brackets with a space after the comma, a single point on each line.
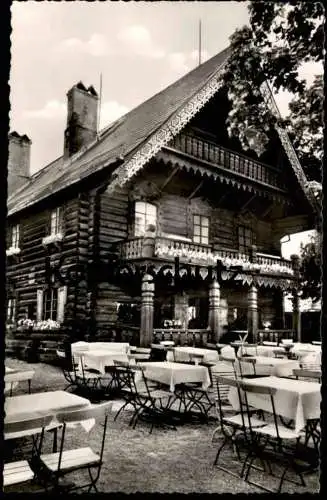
[55, 437]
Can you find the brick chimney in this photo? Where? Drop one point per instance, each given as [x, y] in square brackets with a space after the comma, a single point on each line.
[82, 118]
[18, 161]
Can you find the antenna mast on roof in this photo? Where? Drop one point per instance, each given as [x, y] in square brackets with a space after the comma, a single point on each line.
[99, 108]
[199, 42]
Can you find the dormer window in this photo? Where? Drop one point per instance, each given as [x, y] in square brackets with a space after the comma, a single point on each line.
[145, 218]
[55, 230]
[14, 248]
[201, 229]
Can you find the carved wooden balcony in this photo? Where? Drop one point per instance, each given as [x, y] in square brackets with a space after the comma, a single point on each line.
[167, 249]
[221, 157]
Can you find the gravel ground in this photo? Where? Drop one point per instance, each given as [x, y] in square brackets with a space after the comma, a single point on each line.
[166, 461]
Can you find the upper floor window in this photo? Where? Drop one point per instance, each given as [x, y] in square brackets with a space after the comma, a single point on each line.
[11, 310]
[56, 221]
[245, 238]
[14, 240]
[145, 217]
[201, 229]
[15, 236]
[55, 230]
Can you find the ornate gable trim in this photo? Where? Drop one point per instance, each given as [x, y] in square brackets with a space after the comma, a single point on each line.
[288, 148]
[168, 130]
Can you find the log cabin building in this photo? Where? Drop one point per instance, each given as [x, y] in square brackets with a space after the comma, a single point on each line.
[158, 220]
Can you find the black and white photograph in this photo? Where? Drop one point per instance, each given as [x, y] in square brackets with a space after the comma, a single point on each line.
[163, 248]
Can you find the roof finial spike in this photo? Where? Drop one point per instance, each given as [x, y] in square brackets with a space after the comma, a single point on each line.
[100, 102]
[199, 42]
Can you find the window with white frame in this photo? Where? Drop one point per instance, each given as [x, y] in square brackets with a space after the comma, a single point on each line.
[56, 221]
[14, 236]
[11, 310]
[245, 238]
[51, 304]
[201, 229]
[145, 217]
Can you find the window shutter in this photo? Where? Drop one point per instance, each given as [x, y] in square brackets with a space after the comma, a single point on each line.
[61, 301]
[39, 305]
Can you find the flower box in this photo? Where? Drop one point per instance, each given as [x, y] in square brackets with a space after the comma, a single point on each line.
[12, 251]
[52, 238]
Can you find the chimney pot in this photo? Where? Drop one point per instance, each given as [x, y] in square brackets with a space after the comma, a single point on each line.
[18, 161]
[82, 118]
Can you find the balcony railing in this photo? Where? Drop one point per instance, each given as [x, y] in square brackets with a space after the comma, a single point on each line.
[217, 155]
[188, 252]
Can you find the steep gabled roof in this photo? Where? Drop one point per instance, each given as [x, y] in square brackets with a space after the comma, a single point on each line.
[137, 137]
[122, 138]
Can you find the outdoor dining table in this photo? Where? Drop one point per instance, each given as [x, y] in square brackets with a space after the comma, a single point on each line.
[98, 360]
[193, 353]
[172, 374]
[297, 400]
[270, 366]
[29, 406]
[13, 377]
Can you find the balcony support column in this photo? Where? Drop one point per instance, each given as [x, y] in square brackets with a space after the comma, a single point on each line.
[253, 313]
[147, 292]
[214, 300]
[296, 316]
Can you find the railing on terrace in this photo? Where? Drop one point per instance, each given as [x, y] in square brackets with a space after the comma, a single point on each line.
[193, 337]
[217, 155]
[274, 335]
[206, 255]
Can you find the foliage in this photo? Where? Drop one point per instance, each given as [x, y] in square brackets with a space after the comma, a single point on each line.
[310, 269]
[280, 38]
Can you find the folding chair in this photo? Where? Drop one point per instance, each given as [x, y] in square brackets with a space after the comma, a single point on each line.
[274, 447]
[88, 382]
[140, 353]
[30, 427]
[222, 394]
[251, 362]
[234, 428]
[69, 369]
[147, 398]
[54, 466]
[304, 374]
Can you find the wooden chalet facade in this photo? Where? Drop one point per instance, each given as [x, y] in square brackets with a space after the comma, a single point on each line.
[160, 217]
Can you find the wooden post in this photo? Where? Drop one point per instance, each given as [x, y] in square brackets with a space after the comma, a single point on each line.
[214, 299]
[146, 331]
[296, 316]
[253, 312]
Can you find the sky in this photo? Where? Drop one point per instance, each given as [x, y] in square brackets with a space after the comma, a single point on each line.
[139, 47]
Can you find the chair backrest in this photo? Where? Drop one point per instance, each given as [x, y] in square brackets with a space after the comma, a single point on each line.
[231, 362]
[36, 423]
[303, 373]
[248, 388]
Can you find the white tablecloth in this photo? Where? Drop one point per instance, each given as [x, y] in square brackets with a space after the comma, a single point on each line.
[270, 366]
[295, 399]
[35, 405]
[13, 377]
[82, 346]
[188, 353]
[172, 374]
[100, 359]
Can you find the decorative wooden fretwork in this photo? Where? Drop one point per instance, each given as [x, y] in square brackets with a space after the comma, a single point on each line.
[170, 128]
[289, 150]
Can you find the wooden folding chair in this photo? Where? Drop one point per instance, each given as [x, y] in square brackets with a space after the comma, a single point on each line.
[20, 471]
[54, 466]
[251, 362]
[235, 429]
[276, 445]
